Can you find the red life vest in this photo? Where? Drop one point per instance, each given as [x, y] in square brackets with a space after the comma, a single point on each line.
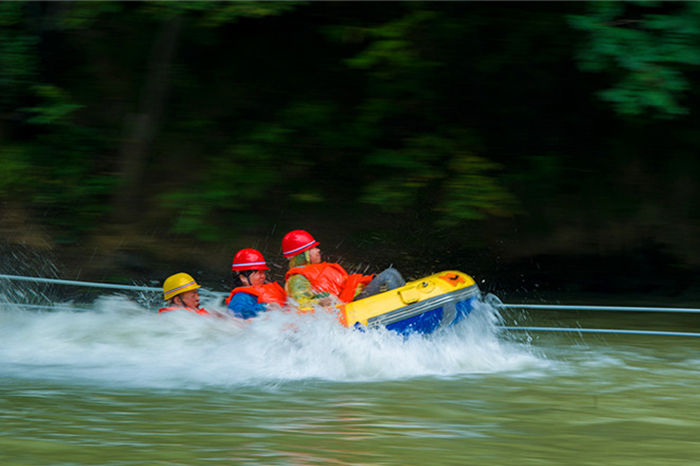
[267, 293]
[180, 308]
[331, 278]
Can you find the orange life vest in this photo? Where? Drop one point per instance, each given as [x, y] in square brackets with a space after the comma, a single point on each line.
[331, 278]
[180, 308]
[267, 293]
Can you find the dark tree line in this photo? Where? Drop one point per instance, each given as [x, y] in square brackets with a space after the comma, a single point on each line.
[570, 126]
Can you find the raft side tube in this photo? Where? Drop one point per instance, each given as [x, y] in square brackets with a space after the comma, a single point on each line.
[448, 301]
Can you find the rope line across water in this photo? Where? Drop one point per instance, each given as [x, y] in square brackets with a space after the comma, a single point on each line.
[602, 330]
[502, 306]
[598, 308]
[57, 281]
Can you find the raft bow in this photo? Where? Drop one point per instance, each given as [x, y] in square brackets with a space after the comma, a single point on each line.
[421, 306]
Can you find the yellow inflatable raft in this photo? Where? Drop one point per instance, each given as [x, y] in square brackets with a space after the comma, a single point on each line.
[421, 306]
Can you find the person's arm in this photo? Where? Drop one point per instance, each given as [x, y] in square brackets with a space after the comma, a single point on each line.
[299, 289]
[245, 305]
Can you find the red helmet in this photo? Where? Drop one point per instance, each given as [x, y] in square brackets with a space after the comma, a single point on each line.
[249, 259]
[297, 241]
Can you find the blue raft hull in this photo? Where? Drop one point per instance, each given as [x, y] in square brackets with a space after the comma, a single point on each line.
[422, 306]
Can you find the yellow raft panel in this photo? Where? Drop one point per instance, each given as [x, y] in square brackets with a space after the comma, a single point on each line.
[406, 301]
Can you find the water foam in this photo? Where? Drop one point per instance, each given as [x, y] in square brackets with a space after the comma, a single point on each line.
[120, 343]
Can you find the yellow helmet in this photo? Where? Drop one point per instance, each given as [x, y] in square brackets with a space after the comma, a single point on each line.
[177, 284]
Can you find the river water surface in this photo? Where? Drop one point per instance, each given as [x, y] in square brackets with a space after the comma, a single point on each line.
[116, 384]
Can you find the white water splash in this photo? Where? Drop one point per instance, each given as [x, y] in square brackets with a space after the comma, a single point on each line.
[117, 342]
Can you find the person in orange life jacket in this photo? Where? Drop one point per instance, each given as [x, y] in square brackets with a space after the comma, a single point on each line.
[251, 295]
[310, 281]
[180, 292]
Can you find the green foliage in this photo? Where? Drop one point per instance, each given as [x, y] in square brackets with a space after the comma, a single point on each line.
[647, 53]
[451, 109]
[16, 177]
[54, 170]
[70, 185]
[440, 174]
[82, 15]
[228, 12]
[55, 106]
[18, 59]
[235, 181]
[433, 171]
[393, 50]
[397, 60]
[472, 192]
[216, 14]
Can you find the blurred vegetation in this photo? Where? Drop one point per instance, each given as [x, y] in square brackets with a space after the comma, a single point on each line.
[573, 122]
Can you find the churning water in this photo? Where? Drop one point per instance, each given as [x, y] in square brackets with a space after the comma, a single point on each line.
[119, 343]
[116, 384]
